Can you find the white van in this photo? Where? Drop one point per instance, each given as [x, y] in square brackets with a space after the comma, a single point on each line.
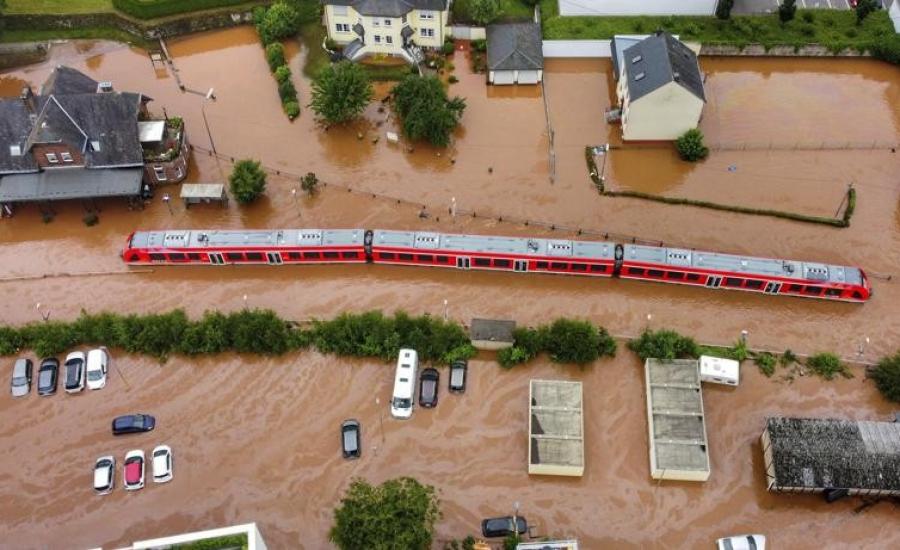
[404, 384]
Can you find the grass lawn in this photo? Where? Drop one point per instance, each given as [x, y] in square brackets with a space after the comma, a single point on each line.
[58, 6]
[510, 10]
[834, 29]
[91, 33]
[312, 35]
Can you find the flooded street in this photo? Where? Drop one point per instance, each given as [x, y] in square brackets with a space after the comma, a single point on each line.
[256, 439]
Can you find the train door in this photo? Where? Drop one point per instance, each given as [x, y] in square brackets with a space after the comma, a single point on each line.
[274, 258]
[713, 281]
[773, 288]
[215, 258]
[463, 262]
[520, 265]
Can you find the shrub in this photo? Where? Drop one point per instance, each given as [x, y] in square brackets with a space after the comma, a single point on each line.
[91, 219]
[282, 74]
[216, 543]
[447, 48]
[886, 376]
[452, 79]
[484, 11]
[690, 146]
[664, 344]
[786, 10]
[807, 17]
[510, 357]
[309, 183]
[280, 21]
[287, 91]
[291, 109]
[10, 341]
[579, 342]
[247, 181]
[275, 55]
[766, 363]
[341, 92]
[863, 9]
[887, 49]
[479, 45]
[426, 111]
[723, 9]
[828, 365]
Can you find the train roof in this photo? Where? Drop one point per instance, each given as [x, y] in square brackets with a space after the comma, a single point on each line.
[198, 238]
[503, 245]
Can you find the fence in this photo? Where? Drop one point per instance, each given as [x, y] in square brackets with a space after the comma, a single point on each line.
[465, 32]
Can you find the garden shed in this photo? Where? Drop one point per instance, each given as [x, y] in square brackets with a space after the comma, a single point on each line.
[555, 428]
[515, 53]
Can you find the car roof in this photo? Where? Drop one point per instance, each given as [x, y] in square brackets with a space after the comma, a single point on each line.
[19, 367]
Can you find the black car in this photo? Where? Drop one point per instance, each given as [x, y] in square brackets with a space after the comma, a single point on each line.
[350, 438]
[48, 376]
[428, 388]
[458, 370]
[503, 527]
[133, 423]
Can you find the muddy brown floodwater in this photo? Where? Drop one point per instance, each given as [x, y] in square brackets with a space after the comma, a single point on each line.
[256, 440]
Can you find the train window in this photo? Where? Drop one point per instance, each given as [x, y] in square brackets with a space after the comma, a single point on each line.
[482, 262]
[425, 258]
[311, 255]
[813, 290]
[597, 268]
[675, 275]
[579, 267]
[857, 295]
[542, 265]
[293, 255]
[234, 256]
[693, 277]
[733, 281]
[176, 256]
[559, 265]
[406, 257]
[157, 257]
[655, 273]
[349, 255]
[635, 271]
[386, 255]
[756, 285]
[193, 256]
[795, 288]
[254, 256]
[833, 292]
[443, 259]
[330, 255]
[502, 263]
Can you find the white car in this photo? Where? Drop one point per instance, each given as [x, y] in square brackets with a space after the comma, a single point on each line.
[742, 542]
[75, 372]
[104, 475]
[97, 367]
[134, 470]
[162, 464]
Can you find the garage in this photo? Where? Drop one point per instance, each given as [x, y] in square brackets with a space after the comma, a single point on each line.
[503, 77]
[514, 54]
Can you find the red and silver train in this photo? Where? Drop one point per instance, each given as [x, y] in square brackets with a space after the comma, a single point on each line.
[525, 255]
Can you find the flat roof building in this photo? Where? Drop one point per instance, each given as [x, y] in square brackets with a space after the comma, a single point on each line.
[678, 444]
[226, 538]
[813, 455]
[555, 428]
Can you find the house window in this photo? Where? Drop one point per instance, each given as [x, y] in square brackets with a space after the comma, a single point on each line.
[342, 27]
[639, 76]
[15, 151]
[339, 10]
[636, 58]
[426, 33]
[160, 173]
[66, 156]
[51, 158]
[95, 145]
[426, 15]
[389, 39]
[376, 22]
[387, 22]
[378, 39]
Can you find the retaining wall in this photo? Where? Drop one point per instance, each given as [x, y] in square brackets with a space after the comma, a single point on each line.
[577, 48]
[601, 48]
[22, 53]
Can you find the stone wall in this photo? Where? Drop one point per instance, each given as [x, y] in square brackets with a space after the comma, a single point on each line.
[757, 50]
[22, 53]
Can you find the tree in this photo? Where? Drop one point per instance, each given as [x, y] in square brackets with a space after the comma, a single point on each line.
[247, 181]
[279, 21]
[887, 377]
[399, 513]
[341, 92]
[690, 146]
[426, 111]
[723, 9]
[310, 183]
[275, 55]
[484, 11]
[863, 9]
[786, 10]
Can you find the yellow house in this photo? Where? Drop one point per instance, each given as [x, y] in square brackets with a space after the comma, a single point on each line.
[387, 27]
[660, 89]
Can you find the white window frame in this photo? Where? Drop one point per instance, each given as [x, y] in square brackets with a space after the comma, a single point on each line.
[160, 173]
[377, 38]
[388, 39]
[342, 27]
[426, 33]
[426, 15]
[387, 23]
[66, 156]
[52, 158]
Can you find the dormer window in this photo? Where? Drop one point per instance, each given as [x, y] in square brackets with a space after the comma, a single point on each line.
[66, 156]
[15, 151]
[426, 15]
[636, 58]
[639, 76]
[51, 158]
[95, 145]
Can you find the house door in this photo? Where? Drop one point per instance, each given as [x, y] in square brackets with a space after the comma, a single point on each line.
[463, 262]
[521, 265]
[215, 258]
[274, 258]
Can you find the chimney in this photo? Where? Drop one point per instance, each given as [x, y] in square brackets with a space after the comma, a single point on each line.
[27, 98]
[104, 87]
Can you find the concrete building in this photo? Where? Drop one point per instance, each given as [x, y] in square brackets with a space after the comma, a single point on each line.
[831, 456]
[678, 445]
[637, 7]
[515, 53]
[660, 89]
[237, 536]
[387, 27]
[555, 428]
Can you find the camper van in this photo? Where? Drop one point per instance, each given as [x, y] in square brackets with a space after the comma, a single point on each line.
[404, 384]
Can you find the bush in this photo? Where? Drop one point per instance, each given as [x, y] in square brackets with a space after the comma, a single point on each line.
[275, 55]
[664, 344]
[766, 363]
[807, 17]
[341, 92]
[452, 79]
[216, 543]
[828, 365]
[91, 219]
[425, 110]
[863, 9]
[247, 181]
[786, 10]
[579, 342]
[286, 90]
[447, 48]
[723, 9]
[483, 12]
[291, 109]
[887, 49]
[280, 21]
[690, 146]
[479, 45]
[886, 376]
[309, 183]
[282, 74]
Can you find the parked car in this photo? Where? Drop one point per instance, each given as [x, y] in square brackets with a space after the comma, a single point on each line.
[48, 375]
[75, 372]
[104, 475]
[742, 542]
[134, 470]
[162, 464]
[428, 388]
[132, 424]
[350, 438]
[503, 527]
[97, 367]
[458, 371]
[21, 378]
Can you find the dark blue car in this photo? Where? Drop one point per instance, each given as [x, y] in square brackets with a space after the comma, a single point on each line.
[133, 423]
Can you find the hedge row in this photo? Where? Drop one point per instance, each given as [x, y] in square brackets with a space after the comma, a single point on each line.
[565, 340]
[153, 9]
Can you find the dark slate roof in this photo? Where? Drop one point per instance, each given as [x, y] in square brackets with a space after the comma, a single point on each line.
[14, 128]
[71, 183]
[389, 8]
[514, 46]
[662, 60]
[65, 80]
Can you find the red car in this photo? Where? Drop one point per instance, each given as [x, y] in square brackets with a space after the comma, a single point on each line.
[134, 470]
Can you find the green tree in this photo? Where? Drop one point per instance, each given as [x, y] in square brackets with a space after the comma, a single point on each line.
[664, 344]
[275, 55]
[786, 10]
[399, 513]
[579, 342]
[280, 21]
[484, 11]
[723, 9]
[887, 377]
[426, 111]
[690, 146]
[341, 92]
[247, 181]
[863, 9]
[310, 183]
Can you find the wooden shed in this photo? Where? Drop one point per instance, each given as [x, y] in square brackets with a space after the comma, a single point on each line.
[198, 193]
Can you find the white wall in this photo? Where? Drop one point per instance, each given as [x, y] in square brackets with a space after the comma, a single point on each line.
[637, 7]
[663, 114]
[577, 48]
[894, 13]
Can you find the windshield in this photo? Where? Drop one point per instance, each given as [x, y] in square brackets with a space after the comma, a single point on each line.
[73, 363]
[45, 378]
[19, 381]
[95, 375]
[402, 403]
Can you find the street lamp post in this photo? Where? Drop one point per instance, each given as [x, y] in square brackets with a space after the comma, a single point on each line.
[167, 199]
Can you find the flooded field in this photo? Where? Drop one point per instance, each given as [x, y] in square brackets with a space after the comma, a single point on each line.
[220, 414]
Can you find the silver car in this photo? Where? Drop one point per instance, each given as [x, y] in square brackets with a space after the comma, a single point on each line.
[21, 378]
